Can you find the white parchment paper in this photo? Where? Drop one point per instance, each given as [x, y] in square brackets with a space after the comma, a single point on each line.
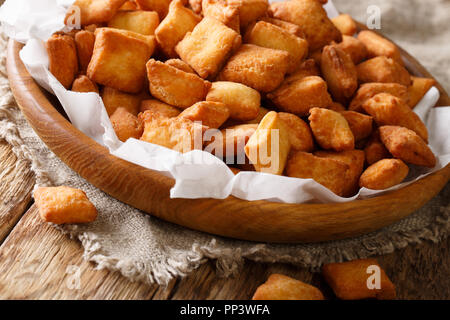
[198, 174]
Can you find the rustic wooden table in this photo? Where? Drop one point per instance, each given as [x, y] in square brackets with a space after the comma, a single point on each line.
[34, 258]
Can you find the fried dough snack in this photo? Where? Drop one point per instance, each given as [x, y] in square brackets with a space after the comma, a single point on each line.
[223, 12]
[209, 113]
[61, 205]
[261, 114]
[336, 106]
[384, 174]
[360, 124]
[231, 142]
[345, 24]
[160, 6]
[375, 149]
[249, 10]
[161, 108]
[84, 40]
[280, 287]
[126, 125]
[406, 145]
[63, 60]
[84, 84]
[418, 89]
[354, 48]
[98, 11]
[180, 65]
[331, 130]
[113, 99]
[349, 280]
[128, 6]
[389, 110]
[143, 22]
[383, 69]
[300, 134]
[289, 27]
[307, 68]
[378, 46]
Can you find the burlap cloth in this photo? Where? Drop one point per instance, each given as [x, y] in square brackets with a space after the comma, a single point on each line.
[147, 249]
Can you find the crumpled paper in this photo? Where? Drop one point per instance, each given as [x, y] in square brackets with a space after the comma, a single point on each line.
[197, 174]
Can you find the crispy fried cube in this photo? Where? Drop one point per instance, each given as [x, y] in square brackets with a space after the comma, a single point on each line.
[384, 174]
[95, 11]
[243, 102]
[406, 145]
[175, 87]
[354, 48]
[128, 6]
[126, 125]
[267, 35]
[331, 130]
[84, 41]
[209, 113]
[84, 84]
[173, 28]
[143, 22]
[289, 27]
[250, 10]
[378, 46]
[262, 69]
[223, 12]
[161, 108]
[345, 24]
[178, 134]
[119, 60]
[301, 95]
[261, 114]
[61, 205]
[208, 46]
[375, 149]
[307, 68]
[389, 110]
[180, 65]
[349, 280]
[360, 124]
[300, 134]
[196, 6]
[280, 287]
[369, 90]
[336, 106]
[328, 172]
[312, 19]
[63, 60]
[383, 69]
[113, 99]
[160, 6]
[418, 89]
[268, 148]
[231, 141]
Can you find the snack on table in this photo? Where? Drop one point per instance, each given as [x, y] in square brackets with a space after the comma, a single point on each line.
[61, 205]
[63, 60]
[384, 174]
[280, 287]
[383, 69]
[378, 46]
[126, 125]
[209, 113]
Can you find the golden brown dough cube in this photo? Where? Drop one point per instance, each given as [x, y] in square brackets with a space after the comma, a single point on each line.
[307, 68]
[180, 64]
[243, 102]
[119, 60]
[143, 22]
[280, 287]
[360, 124]
[230, 144]
[375, 149]
[354, 48]
[328, 172]
[384, 174]
[289, 27]
[173, 28]
[208, 46]
[196, 6]
[378, 46]
[263, 69]
[113, 99]
[349, 280]
[369, 90]
[383, 69]
[222, 11]
[336, 106]
[268, 148]
[311, 17]
[160, 6]
[345, 24]
[128, 6]
[299, 96]
[418, 89]
[175, 87]
[84, 84]
[64, 205]
[63, 60]
[300, 134]
[210, 114]
[161, 108]
[250, 10]
[267, 35]
[92, 12]
[126, 125]
[84, 40]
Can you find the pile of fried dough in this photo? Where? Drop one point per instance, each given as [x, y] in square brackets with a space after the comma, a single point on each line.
[338, 104]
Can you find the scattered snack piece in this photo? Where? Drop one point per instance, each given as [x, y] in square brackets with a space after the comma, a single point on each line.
[160, 6]
[143, 22]
[262, 69]
[64, 205]
[268, 148]
[119, 59]
[175, 87]
[384, 174]
[63, 60]
[328, 172]
[406, 145]
[369, 90]
[211, 114]
[84, 40]
[418, 89]
[126, 125]
[389, 110]
[231, 142]
[312, 19]
[307, 68]
[354, 48]
[339, 71]
[378, 46]
[331, 130]
[300, 134]
[289, 27]
[299, 96]
[360, 124]
[267, 35]
[345, 24]
[250, 10]
[84, 84]
[280, 287]
[383, 69]
[180, 64]
[336, 106]
[375, 149]
[91, 12]
[349, 280]
[161, 108]
[208, 46]
[243, 102]
[173, 28]
[113, 99]
[223, 12]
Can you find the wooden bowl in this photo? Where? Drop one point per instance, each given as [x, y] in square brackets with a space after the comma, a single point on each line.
[263, 221]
